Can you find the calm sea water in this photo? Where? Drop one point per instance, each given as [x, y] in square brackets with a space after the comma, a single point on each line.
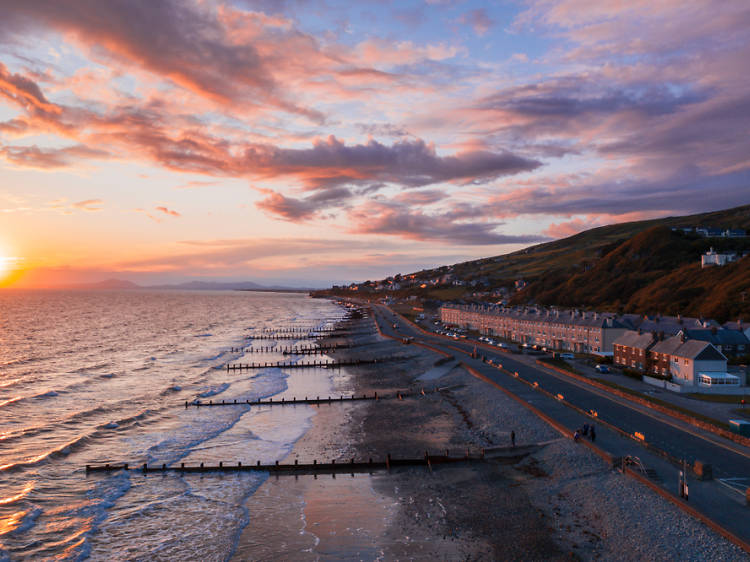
[92, 377]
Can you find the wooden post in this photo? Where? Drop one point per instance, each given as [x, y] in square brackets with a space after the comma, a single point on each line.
[388, 461]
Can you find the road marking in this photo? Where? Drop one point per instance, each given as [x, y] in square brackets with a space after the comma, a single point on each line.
[738, 485]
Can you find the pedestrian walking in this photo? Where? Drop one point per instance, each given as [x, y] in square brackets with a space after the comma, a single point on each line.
[513, 438]
[593, 434]
[585, 429]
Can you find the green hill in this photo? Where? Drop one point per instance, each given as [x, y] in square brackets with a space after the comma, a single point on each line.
[639, 267]
[656, 270]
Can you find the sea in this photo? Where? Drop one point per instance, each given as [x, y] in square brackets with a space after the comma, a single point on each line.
[103, 377]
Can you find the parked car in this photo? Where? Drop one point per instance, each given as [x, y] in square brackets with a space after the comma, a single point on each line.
[601, 369]
[567, 356]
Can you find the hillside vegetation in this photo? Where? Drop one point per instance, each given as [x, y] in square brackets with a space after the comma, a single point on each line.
[657, 270]
[638, 267]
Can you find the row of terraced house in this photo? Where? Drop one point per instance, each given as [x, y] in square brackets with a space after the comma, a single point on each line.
[689, 351]
[581, 332]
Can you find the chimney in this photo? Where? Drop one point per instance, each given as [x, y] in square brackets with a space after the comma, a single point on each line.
[682, 337]
[661, 336]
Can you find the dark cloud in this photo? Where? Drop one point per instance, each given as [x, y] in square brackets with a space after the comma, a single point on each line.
[680, 194]
[407, 163]
[421, 197]
[572, 97]
[180, 41]
[35, 157]
[24, 92]
[398, 220]
[294, 209]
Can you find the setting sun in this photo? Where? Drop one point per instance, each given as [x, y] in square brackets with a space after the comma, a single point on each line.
[9, 270]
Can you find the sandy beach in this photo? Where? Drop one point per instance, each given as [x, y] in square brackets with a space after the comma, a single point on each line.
[560, 502]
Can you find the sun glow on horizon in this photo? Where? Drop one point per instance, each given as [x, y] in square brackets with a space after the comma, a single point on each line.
[10, 270]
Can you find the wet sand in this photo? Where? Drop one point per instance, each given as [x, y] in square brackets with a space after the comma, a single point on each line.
[561, 502]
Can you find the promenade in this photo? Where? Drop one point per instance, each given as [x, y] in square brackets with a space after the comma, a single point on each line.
[667, 441]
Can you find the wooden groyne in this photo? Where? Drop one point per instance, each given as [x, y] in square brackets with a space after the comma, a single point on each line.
[337, 327]
[306, 364]
[333, 467]
[312, 335]
[309, 350]
[314, 401]
[307, 336]
[292, 350]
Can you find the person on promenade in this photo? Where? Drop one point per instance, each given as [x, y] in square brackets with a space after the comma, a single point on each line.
[585, 429]
[593, 434]
[513, 438]
[576, 435]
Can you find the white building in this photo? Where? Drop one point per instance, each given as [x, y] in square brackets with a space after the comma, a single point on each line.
[687, 360]
[711, 258]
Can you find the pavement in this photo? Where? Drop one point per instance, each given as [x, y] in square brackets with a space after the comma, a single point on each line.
[721, 499]
[721, 411]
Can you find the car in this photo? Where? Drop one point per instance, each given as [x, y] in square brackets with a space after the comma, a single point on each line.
[567, 356]
[601, 369]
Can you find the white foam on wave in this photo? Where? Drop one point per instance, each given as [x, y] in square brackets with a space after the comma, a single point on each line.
[213, 391]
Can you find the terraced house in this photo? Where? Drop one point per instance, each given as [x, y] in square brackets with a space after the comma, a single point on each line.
[581, 332]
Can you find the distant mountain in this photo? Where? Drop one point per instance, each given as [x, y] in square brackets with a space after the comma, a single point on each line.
[226, 286]
[119, 284]
[109, 284]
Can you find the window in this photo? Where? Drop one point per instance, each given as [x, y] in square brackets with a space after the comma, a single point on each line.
[687, 362]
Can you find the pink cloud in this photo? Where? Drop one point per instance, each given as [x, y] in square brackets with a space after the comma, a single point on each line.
[48, 159]
[169, 212]
[451, 227]
[479, 20]
[88, 205]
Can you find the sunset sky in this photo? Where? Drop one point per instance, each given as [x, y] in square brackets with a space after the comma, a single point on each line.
[313, 142]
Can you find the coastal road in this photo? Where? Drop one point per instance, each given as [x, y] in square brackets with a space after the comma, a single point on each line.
[722, 500]
[679, 439]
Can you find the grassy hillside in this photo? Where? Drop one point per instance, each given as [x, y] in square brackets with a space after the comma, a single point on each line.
[583, 249]
[640, 267]
[655, 271]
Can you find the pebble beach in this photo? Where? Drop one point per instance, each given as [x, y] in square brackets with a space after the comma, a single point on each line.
[560, 502]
